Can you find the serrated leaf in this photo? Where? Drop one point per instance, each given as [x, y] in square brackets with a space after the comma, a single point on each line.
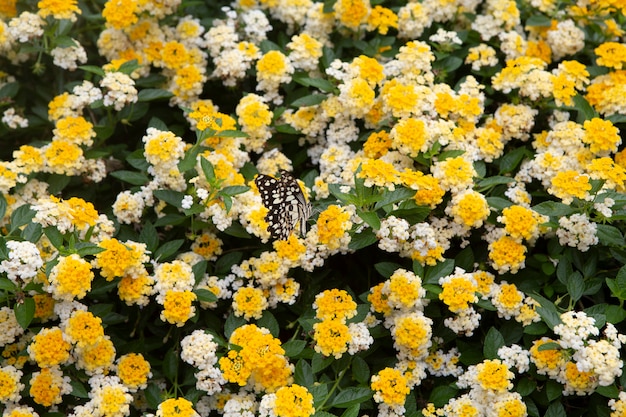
[360, 370]
[170, 365]
[9, 90]
[493, 181]
[303, 374]
[268, 321]
[225, 262]
[432, 274]
[205, 295]
[93, 69]
[78, 389]
[21, 216]
[85, 248]
[362, 240]
[511, 159]
[350, 396]
[386, 269]
[7, 285]
[610, 235]
[441, 394]
[539, 20]
[153, 94]
[207, 169]
[131, 177]
[493, 341]
[575, 286]
[25, 312]
[370, 217]
[554, 209]
[149, 236]
[232, 323]
[585, 110]
[174, 198]
[392, 197]
[168, 249]
[310, 100]
[293, 347]
[234, 190]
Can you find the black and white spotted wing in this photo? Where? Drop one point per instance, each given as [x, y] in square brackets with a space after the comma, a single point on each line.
[285, 203]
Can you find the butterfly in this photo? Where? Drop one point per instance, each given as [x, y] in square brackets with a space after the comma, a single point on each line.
[285, 203]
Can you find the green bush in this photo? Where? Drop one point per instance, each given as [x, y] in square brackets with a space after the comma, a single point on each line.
[287, 208]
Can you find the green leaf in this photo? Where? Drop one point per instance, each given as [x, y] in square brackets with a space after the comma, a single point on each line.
[190, 158]
[232, 323]
[493, 342]
[225, 262]
[493, 181]
[610, 235]
[205, 295]
[554, 390]
[303, 374]
[526, 386]
[610, 391]
[547, 311]
[21, 216]
[293, 348]
[25, 312]
[310, 100]
[386, 269]
[94, 69]
[78, 389]
[555, 409]
[432, 274]
[268, 321]
[207, 169]
[3, 206]
[153, 395]
[362, 240]
[575, 286]
[149, 236]
[9, 90]
[539, 20]
[360, 370]
[369, 217]
[442, 394]
[585, 110]
[174, 198]
[234, 190]
[392, 197]
[32, 232]
[352, 411]
[170, 365]
[350, 396]
[511, 159]
[153, 94]
[86, 248]
[320, 83]
[7, 285]
[554, 209]
[167, 250]
[131, 177]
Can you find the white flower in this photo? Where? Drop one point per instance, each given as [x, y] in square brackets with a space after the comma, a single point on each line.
[23, 263]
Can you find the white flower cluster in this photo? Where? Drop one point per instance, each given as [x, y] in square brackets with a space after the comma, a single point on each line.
[577, 231]
[23, 263]
[396, 235]
[121, 90]
[199, 350]
[13, 120]
[515, 357]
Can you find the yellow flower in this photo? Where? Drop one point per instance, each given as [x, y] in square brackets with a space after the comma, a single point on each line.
[84, 329]
[28, 159]
[178, 307]
[8, 9]
[579, 382]
[508, 300]
[377, 144]
[49, 348]
[379, 173]
[63, 157]
[133, 371]
[292, 249]
[506, 254]
[114, 260]
[120, 14]
[352, 13]
[569, 184]
[378, 299]
[70, 278]
[483, 280]
[611, 54]
[603, 138]
[455, 174]
[458, 292]
[334, 304]
[521, 222]
[59, 9]
[97, 358]
[249, 302]
[400, 99]
[494, 376]
[10, 385]
[510, 407]
[404, 290]
[382, 18]
[75, 129]
[606, 169]
[235, 368]
[48, 386]
[409, 136]
[293, 401]
[272, 65]
[391, 387]
[548, 361]
[135, 290]
[207, 245]
[411, 335]
[331, 337]
[176, 407]
[469, 208]
[332, 224]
